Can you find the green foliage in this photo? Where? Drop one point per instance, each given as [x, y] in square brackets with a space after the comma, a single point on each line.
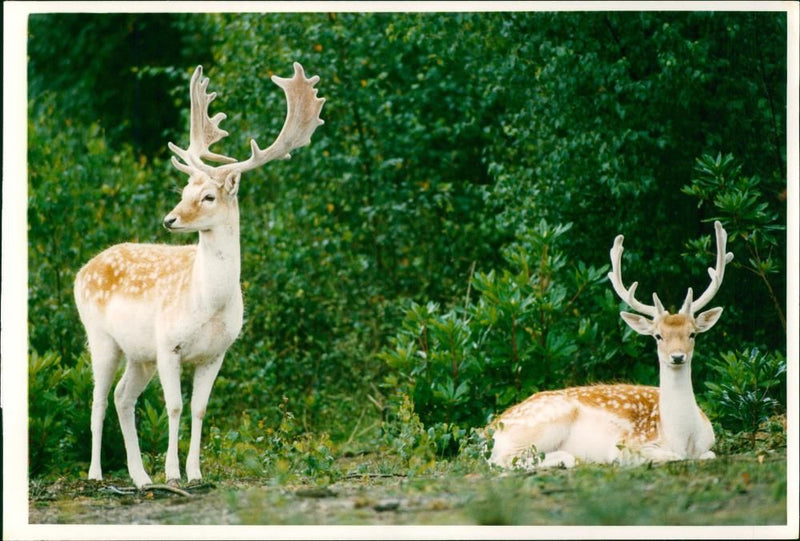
[602, 131]
[407, 437]
[153, 427]
[283, 453]
[751, 219]
[113, 66]
[47, 426]
[749, 387]
[526, 330]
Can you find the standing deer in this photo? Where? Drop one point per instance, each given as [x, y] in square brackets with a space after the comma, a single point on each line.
[165, 306]
[624, 423]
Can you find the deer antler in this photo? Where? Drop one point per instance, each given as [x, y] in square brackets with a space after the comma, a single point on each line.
[302, 118]
[716, 273]
[628, 294]
[203, 130]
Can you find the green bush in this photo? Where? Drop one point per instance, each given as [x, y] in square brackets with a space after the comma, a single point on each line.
[756, 234]
[528, 329]
[114, 67]
[284, 452]
[407, 437]
[47, 429]
[748, 389]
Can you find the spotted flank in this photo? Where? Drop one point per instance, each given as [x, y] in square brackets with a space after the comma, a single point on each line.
[136, 271]
[634, 405]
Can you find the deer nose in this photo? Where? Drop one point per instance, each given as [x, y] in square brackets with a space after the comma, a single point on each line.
[678, 358]
[169, 221]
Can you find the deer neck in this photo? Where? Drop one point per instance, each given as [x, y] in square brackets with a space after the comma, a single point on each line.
[217, 267]
[680, 417]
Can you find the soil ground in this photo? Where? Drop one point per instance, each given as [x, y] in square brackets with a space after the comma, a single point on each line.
[733, 490]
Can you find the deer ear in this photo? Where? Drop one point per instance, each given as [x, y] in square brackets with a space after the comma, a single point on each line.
[232, 182]
[707, 319]
[638, 323]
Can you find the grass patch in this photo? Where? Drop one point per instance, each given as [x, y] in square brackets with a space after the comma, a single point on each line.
[743, 489]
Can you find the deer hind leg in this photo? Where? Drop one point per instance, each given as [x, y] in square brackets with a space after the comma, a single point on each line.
[105, 356]
[520, 444]
[204, 377]
[133, 382]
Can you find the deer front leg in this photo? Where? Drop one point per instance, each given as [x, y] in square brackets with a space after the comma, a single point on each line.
[657, 453]
[204, 377]
[169, 371]
[105, 357]
[133, 382]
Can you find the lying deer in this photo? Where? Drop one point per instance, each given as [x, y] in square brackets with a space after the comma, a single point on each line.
[166, 306]
[622, 423]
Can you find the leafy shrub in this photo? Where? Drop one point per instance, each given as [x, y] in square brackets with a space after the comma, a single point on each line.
[749, 387]
[754, 227]
[407, 436]
[117, 71]
[47, 427]
[153, 430]
[526, 331]
[284, 452]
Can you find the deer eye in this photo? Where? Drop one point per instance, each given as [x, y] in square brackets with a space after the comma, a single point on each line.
[692, 335]
[209, 197]
[658, 337]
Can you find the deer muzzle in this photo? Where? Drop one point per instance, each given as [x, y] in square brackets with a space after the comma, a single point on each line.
[169, 221]
[678, 358]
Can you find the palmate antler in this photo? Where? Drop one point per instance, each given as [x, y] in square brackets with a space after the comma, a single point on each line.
[689, 306]
[302, 118]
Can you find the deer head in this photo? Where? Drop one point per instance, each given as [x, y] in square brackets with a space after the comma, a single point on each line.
[674, 333]
[209, 198]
